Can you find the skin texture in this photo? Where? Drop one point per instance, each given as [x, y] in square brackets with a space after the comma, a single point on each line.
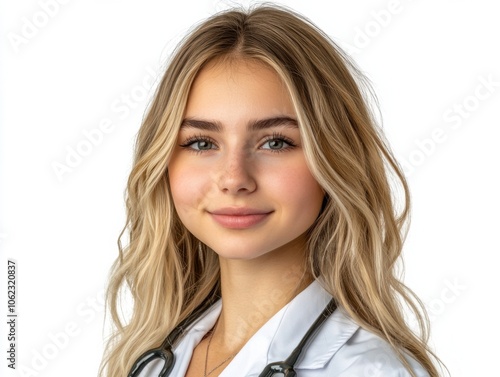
[219, 176]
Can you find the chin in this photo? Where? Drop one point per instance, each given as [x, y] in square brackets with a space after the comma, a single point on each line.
[239, 254]
[255, 252]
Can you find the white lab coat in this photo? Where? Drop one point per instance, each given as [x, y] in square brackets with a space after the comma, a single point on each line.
[339, 349]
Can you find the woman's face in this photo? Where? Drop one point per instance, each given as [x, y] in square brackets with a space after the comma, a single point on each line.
[238, 175]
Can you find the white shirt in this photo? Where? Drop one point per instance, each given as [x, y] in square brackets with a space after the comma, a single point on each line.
[340, 348]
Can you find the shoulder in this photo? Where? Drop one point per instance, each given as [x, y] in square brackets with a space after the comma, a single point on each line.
[342, 348]
[366, 354]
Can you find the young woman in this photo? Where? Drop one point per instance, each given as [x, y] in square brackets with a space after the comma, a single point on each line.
[259, 202]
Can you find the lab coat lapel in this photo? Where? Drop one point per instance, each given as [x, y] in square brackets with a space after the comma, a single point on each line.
[196, 332]
[297, 320]
[281, 334]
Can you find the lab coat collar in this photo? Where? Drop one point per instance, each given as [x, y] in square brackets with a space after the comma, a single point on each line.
[281, 334]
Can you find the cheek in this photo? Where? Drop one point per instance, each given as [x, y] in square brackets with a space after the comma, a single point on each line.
[297, 189]
[186, 184]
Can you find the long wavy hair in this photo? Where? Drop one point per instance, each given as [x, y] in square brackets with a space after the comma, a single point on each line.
[354, 245]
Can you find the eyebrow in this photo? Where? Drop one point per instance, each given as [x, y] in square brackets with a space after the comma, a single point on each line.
[256, 125]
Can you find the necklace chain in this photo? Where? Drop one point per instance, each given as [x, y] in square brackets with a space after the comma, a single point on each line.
[205, 373]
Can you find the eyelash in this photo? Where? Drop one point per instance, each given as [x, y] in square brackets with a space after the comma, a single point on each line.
[279, 136]
[275, 136]
[193, 139]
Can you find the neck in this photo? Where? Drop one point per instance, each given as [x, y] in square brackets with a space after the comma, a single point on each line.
[254, 290]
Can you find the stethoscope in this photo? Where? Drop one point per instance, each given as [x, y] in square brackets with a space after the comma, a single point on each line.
[280, 368]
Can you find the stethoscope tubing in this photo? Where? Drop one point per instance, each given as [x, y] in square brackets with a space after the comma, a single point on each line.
[164, 351]
[285, 368]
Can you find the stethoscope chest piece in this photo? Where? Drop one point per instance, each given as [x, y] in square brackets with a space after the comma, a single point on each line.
[278, 369]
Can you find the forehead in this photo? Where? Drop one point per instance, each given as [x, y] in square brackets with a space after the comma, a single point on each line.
[238, 88]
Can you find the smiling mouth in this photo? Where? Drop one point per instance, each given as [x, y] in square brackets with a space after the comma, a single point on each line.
[239, 218]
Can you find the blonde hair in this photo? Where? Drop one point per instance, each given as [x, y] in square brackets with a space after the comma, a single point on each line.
[354, 244]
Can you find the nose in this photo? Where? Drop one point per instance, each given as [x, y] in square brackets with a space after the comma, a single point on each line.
[236, 174]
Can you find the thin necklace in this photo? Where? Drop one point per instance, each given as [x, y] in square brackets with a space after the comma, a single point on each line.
[205, 374]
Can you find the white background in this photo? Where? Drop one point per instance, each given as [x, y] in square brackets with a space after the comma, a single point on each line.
[72, 69]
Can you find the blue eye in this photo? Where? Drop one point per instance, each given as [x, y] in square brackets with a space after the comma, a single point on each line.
[202, 145]
[278, 143]
[199, 144]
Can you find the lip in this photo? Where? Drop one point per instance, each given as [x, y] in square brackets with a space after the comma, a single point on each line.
[239, 218]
